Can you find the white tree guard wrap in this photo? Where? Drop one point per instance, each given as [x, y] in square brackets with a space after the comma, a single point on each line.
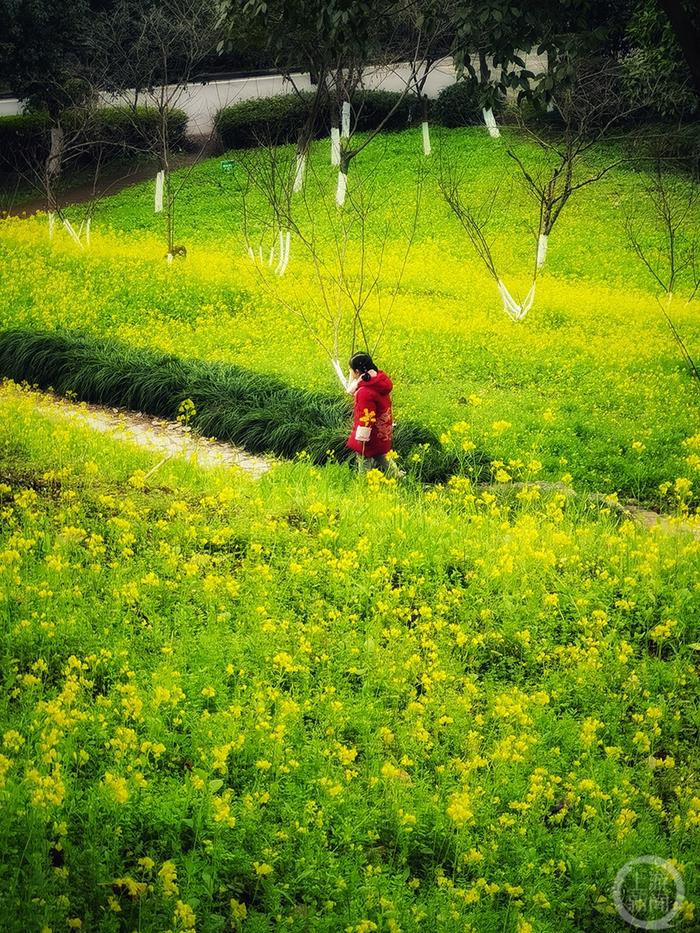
[335, 145]
[345, 132]
[541, 250]
[160, 180]
[52, 223]
[280, 258]
[251, 253]
[272, 256]
[71, 230]
[342, 189]
[87, 231]
[285, 242]
[515, 311]
[339, 373]
[300, 173]
[169, 257]
[490, 122]
[426, 138]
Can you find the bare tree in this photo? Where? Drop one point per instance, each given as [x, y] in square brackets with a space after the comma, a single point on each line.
[663, 232]
[423, 36]
[346, 250]
[151, 52]
[589, 107]
[76, 140]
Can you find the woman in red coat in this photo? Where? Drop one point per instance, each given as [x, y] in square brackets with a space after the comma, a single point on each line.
[372, 431]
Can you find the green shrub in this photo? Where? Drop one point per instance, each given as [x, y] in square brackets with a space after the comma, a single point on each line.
[25, 139]
[253, 410]
[279, 119]
[459, 105]
[269, 119]
[119, 128]
[371, 107]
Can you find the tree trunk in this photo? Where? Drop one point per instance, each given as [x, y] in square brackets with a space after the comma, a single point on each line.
[55, 157]
[425, 126]
[335, 131]
[342, 188]
[345, 131]
[303, 146]
[687, 33]
[484, 77]
[170, 213]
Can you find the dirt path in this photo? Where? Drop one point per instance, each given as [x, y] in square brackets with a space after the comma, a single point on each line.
[667, 523]
[166, 437]
[173, 440]
[111, 182]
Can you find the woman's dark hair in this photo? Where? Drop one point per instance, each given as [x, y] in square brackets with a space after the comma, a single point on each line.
[362, 363]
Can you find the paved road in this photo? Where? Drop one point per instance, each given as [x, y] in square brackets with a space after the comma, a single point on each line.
[202, 101]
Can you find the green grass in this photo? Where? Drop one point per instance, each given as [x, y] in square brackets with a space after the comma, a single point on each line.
[254, 411]
[340, 705]
[591, 382]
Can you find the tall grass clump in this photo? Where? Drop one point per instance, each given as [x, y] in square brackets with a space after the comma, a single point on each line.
[257, 411]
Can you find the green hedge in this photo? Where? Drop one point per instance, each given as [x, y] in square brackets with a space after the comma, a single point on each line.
[113, 130]
[256, 411]
[269, 119]
[370, 108]
[120, 128]
[279, 119]
[459, 105]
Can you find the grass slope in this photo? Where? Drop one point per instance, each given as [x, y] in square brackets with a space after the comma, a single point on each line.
[328, 705]
[590, 384]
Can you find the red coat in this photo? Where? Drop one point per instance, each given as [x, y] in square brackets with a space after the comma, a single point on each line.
[373, 409]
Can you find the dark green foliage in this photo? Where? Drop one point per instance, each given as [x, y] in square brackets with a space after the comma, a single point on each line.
[371, 107]
[459, 105]
[254, 410]
[255, 122]
[121, 128]
[110, 131]
[279, 119]
[23, 139]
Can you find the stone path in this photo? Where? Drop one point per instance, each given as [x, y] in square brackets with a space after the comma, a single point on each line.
[167, 437]
[174, 440]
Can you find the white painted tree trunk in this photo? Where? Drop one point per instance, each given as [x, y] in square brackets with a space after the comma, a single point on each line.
[335, 145]
[52, 224]
[541, 250]
[280, 257]
[300, 172]
[87, 231]
[515, 311]
[426, 138]
[339, 373]
[342, 189]
[251, 253]
[160, 180]
[345, 132]
[490, 122]
[285, 242]
[71, 231]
